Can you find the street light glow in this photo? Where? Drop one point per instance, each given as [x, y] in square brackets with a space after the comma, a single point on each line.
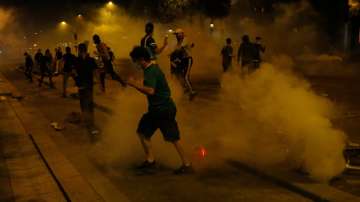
[63, 23]
[110, 5]
[212, 25]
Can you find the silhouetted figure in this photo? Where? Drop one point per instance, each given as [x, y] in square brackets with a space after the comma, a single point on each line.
[227, 55]
[29, 64]
[259, 49]
[105, 56]
[69, 60]
[85, 67]
[58, 60]
[246, 55]
[181, 62]
[149, 42]
[37, 58]
[46, 62]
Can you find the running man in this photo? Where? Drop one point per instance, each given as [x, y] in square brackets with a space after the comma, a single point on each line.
[181, 62]
[161, 111]
[103, 51]
[46, 63]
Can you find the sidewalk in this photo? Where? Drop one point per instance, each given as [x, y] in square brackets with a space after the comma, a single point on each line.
[37, 170]
[24, 176]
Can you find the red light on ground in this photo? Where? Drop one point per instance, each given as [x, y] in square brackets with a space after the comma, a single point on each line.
[203, 152]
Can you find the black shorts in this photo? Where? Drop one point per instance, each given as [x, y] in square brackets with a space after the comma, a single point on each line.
[163, 120]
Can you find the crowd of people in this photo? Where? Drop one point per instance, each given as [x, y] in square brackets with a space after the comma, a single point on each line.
[161, 112]
[248, 56]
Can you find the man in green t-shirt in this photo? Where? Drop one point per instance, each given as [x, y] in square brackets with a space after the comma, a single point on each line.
[161, 112]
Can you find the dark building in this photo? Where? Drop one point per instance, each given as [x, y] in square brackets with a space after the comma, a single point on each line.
[353, 39]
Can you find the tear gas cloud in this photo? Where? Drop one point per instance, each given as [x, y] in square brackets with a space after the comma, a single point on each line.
[269, 119]
[11, 36]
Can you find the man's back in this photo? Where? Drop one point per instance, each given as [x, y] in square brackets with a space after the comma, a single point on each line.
[38, 57]
[227, 51]
[247, 52]
[28, 61]
[85, 69]
[103, 51]
[69, 61]
[155, 78]
[258, 50]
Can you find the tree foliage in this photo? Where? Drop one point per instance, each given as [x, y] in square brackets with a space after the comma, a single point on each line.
[169, 10]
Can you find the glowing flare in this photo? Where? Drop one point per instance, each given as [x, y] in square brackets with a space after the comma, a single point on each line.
[203, 152]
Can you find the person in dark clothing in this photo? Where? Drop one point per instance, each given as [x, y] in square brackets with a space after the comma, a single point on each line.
[69, 66]
[85, 67]
[29, 64]
[46, 62]
[37, 58]
[149, 42]
[181, 62]
[58, 60]
[259, 49]
[246, 54]
[112, 55]
[104, 54]
[161, 110]
[227, 55]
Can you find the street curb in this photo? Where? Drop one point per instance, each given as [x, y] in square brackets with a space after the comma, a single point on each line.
[319, 192]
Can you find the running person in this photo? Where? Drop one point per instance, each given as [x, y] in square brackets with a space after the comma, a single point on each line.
[103, 51]
[181, 62]
[161, 111]
[149, 42]
[46, 62]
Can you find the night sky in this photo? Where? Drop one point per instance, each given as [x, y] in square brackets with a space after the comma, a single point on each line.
[41, 13]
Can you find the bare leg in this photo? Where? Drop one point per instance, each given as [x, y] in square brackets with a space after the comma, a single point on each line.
[147, 148]
[181, 153]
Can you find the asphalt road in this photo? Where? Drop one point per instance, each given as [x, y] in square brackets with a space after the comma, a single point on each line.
[218, 183]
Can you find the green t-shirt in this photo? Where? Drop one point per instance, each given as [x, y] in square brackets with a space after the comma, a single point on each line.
[155, 78]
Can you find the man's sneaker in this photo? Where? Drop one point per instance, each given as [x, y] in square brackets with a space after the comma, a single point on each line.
[184, 169]
[146, 165]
